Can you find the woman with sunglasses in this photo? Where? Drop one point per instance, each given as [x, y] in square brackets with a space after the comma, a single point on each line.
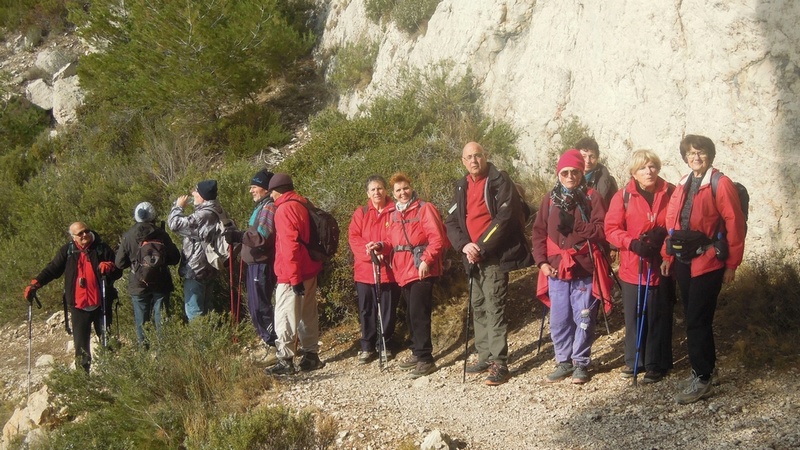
[566, 239]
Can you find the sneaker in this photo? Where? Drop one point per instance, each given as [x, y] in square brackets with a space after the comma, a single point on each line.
[310, 361]
[283, 367]
[423, 368]
[563, 370]
[580, 375]
[478, 367]
[409, 363]
[696, 390]
[498, 374]
[653, 376]
[365, 357]
[686, 382]
[627, 372]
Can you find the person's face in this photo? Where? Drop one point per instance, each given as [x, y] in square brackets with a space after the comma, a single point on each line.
[590, 160]
[80, 234]
[196, 198]
[402, 192]
[646, 176]
[258, 192]
[474, 159]
[570, 177]
[698, 160]
[376, 192]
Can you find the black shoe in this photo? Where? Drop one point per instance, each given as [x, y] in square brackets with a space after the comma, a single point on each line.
[627, 372]
[409, 363]
[653, 376]
[478, 367]
[283, 367]
[498, 374]
[422, 369]
[310, 362]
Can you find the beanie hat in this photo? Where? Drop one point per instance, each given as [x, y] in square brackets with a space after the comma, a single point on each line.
[261, 179]
[207, 189]
[280, 179]
[144, 212]
[570, 158]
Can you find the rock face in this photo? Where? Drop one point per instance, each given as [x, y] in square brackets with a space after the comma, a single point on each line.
[638, 74]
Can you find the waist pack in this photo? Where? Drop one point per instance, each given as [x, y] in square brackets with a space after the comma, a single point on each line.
[415, 251]
[686, 245]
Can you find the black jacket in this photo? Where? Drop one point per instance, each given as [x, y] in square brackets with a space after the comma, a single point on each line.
[129, 249]
[505, 237]
[66, 263]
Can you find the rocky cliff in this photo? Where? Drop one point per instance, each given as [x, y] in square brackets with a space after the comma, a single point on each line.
[639, 74]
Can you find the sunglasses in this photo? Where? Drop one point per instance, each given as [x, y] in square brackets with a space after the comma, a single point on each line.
[81, 233]
[570, 173]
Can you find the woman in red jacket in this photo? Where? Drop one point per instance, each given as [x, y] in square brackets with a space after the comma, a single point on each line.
[368, 226]
[706, 245]
[635, 224]
[416, 242]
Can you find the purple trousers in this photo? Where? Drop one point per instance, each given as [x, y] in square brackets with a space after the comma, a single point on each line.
[573, 313]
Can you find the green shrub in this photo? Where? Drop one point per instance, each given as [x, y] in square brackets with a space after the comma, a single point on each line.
[45, 16]
[407, 15]
[353, 65]
[378, 10]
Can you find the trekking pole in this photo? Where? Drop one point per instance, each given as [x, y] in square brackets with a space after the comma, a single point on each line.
[104, 334]
[545, 309]
[600, 286]
[466, 324]
[30, 337]
[642, 316]
[231, 288]
[383, 357]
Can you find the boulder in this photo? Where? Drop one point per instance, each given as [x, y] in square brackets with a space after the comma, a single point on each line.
[67, 97]
[52, 59]
[436, 440]
[40, 94]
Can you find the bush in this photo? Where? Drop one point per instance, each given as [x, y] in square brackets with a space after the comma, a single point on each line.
[46, 16]
[353, 65]
[194, 390]
[407, 15]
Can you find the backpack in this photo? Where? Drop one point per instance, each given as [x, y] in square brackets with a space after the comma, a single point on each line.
[216, 249]
[744, 196]
[151, 257]
[324, 236]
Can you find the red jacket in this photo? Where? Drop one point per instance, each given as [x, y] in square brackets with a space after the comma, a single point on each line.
[293, 265]
[622, 226]
[424, 227]
[707, 214]
[369, 226]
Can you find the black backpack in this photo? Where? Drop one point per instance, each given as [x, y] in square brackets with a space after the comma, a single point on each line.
[324, 236]
[151, 258]
[744, 196]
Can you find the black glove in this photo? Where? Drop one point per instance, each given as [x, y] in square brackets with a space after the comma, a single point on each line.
[232, 236]
[299, 289]
[655, 237]
[642, 249]
[566, 222]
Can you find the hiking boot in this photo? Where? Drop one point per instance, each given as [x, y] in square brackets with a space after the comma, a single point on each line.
[627, 372]
[409, 363]
[423, 368]
[563, 370]
[283, 367]
[684, 383]
[653, 376]
[498, 374]
[271, 356]
[696, 390]
[478, 367]
[580, 375]
[310, 361]
[365, 357]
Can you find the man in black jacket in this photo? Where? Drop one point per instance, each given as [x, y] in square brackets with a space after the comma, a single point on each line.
[485, 224]
[86, 262]
[149, 251]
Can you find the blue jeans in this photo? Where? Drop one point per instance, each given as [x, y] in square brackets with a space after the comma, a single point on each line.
[572, 319]
[196, 297]
[146, 306]
[261, 282]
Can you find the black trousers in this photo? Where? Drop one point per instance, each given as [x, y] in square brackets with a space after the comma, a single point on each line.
[655, 351]
[419, 305]
[82, 322]
[699, 295]
[368, 313]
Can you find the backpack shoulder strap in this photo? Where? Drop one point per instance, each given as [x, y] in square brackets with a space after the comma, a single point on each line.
[714, 182]
[626, 197]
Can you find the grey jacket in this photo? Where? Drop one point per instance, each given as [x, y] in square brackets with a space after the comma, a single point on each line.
[194, 228]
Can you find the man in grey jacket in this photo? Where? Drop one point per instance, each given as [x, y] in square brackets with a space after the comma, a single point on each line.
[194, 228]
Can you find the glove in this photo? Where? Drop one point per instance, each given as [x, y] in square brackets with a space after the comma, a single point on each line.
[106, 267]
[232, 236]
[299, 289]
[642, 249]
[566, 222]
[31, 289]
[655, 237]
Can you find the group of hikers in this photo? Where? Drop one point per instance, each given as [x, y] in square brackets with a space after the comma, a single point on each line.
[690, 234]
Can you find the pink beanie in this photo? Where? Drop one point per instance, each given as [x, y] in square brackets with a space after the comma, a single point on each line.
[570, 158]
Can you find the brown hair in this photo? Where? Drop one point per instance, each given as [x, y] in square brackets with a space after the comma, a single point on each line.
[700, 143]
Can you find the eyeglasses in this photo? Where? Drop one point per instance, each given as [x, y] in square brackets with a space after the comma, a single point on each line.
[81, 233]
[570, 173]
[475, 156]
[691, 155]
